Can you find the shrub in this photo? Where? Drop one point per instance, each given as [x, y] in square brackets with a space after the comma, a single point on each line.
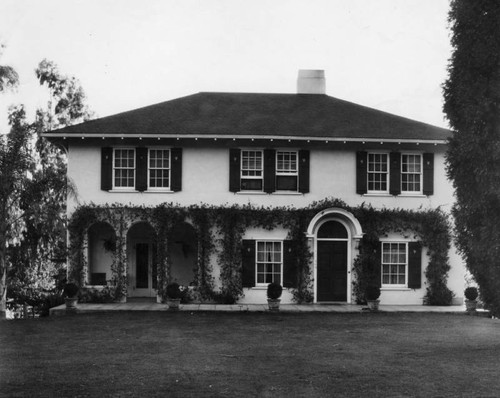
[104, 295]
[372, 292]
[174, 291]
[471, 293]
[274, 291]
[70, 290]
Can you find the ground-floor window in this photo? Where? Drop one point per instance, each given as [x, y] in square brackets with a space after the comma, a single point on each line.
[269, 261]
[394, 264]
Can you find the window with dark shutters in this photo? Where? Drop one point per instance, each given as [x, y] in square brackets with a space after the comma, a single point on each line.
[248, 263]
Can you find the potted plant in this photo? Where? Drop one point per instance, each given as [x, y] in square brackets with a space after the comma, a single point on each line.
[174, 296]
[471, 294]
[70, 294]
[274, 291]
[372, 293]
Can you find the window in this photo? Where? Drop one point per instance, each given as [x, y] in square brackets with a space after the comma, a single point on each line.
[124, 168]
[394, 264]
[269, 262]
[159, 169]
[286, 171]
[252, 170]
[411, 173]
[378, 172]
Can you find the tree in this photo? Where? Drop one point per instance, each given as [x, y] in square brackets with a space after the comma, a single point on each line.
[472, 106]
[8, 75]
[40, 201]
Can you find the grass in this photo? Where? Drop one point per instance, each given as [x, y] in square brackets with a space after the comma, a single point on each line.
[250, 354]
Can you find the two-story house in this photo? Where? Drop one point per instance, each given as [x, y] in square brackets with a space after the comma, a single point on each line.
[231, 191]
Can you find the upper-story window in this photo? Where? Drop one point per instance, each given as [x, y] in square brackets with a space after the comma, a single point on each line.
[252, 170]
[394, 173]
[123, 168]
[159, 169]
[287, 172]
[411, 173]
[141, 169]
[378, 172]
[268, 170]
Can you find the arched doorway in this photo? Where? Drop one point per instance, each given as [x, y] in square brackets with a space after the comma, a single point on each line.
[334, 234]
[332, 250]
[142, 264]
[183, 254]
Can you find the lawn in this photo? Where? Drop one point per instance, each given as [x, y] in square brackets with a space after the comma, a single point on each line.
[250, 354]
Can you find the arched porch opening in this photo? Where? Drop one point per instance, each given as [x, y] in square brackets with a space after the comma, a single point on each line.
[101, 247]
[183, 248]
[141, 259]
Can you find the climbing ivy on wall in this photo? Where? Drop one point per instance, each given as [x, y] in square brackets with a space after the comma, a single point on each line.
[220, 230]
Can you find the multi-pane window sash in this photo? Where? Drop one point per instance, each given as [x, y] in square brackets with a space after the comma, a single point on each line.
[378, 172]
[411, 173]
[287, 171]
[123, 168]
[159, 168]
[269, 262]
[252, 170]
[394, 263]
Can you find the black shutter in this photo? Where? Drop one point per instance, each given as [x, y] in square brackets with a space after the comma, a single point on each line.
[395, 173]
[248, 263]
[414, 265]
[106, 169]
[303, 171]
[361, 172]
[428, 188]
[269, 170]
[377, 269]
[141, 169]
[234, 169]
[289, 265]
[176, 169]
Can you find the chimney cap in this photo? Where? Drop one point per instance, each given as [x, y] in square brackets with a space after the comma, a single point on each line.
[311, 81]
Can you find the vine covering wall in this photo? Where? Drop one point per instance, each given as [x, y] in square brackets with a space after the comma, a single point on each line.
[220, 230]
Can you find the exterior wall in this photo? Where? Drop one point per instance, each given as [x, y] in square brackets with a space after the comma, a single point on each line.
[205, 179]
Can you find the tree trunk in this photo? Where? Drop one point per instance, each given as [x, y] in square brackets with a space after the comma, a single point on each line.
[3, 278]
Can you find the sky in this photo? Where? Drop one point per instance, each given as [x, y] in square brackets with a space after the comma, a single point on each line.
[390, 55]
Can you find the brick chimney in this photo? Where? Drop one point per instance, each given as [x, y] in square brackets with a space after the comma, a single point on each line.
[311, 81]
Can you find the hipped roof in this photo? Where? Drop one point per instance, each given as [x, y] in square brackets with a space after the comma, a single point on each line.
[248, 115]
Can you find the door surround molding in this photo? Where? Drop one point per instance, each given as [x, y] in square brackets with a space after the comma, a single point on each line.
[354, 234]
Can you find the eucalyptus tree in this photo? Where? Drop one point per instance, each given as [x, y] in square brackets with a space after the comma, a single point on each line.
[472, 106]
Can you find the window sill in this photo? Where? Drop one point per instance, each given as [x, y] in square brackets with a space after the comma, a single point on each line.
[251, 193]
[287, 193]
[123, 191]
[395, 289]
[401, 195]
[159, 191]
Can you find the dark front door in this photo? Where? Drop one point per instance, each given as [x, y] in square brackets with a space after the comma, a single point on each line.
[142, 266]
[332, 270]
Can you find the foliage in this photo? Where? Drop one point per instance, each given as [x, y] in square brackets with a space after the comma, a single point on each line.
[372, 292]
[174, 291]
[104, 295]
[274, 291]
[70, 290]
[472, 106]
[471, 293]
[220, 231]
[8, 75]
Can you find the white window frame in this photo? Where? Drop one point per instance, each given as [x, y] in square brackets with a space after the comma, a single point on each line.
[121, 188]
[368, 173]
[421, 174]
[255, 177]
[257, 262]
[168, 188]
[287, 173]
[382, 263]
